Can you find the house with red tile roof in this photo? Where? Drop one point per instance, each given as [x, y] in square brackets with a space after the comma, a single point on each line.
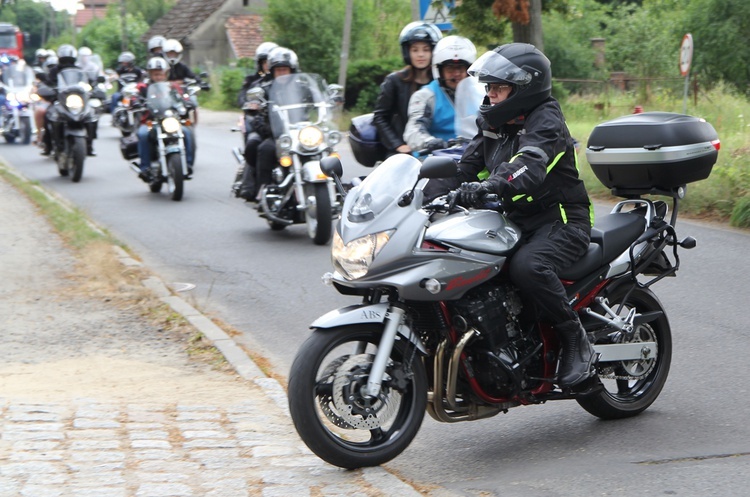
[92, 9]
[212, 32]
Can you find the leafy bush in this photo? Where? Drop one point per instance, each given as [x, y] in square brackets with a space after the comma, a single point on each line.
[363, 81]
[231, 84]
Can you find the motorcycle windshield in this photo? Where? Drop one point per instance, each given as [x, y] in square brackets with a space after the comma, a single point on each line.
[469, 95]
[18, 76]
[385, 185]
[298, 99]
[71, 76]
[160, 97]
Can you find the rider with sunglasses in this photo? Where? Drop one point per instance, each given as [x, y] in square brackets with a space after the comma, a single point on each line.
[524, 154]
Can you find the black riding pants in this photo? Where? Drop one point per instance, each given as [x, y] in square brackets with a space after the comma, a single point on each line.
[535, 266]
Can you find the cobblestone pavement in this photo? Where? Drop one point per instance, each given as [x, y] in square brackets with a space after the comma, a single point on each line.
[97, 401]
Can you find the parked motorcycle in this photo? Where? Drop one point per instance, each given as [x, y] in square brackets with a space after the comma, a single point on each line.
[70, 117]
[15, 114]
[169, 114]
[127, 114]
[301, 111]
[440, 325]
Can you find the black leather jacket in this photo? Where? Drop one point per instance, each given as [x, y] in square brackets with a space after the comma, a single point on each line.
[533, 167]
[392, 109]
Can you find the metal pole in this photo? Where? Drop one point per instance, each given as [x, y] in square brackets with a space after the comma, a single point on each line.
[415, 10]
[345, 43]
[123, 15]
[685, 94]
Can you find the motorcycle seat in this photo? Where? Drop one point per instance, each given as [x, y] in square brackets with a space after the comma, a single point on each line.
[611, 236]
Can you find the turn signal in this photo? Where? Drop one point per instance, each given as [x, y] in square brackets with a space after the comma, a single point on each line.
[285, 161]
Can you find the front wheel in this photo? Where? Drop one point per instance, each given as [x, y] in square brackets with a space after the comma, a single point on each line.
[318, 212]
[630, 387]
[24, 130]
[76, 158]
[333, 417]
[175, 178]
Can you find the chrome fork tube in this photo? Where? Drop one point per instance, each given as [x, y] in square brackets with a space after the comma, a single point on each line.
[393, 319]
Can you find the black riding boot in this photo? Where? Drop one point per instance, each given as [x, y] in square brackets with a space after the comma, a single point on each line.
[577, 354]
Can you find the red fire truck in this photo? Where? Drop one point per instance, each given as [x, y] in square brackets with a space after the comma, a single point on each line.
[11, 40]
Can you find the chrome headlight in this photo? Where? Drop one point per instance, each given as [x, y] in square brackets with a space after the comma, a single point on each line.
[170, 125]
[285, 142]
[353, 260]
[74, 103]
[334, 137]
[310, 137]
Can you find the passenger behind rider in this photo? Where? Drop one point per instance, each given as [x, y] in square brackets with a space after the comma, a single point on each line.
[432, 114]
[524, 154]
[125, 67]
[417, 41]
[178, 71]
[46, 96]
[157, 68]
[260, 149]
[155, 46]
[261, 70]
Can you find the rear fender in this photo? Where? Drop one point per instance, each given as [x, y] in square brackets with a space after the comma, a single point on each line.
[363, 314]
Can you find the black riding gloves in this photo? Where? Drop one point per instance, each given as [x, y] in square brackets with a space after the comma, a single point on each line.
[473, 194]
[435, 144]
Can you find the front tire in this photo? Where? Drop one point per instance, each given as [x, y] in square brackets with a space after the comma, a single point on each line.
[77, 157]
[334, 419]
[24, 130]
[175, 178]
[634, 385]
[318, 214]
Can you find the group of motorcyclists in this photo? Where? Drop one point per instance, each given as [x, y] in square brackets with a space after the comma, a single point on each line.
[164, 64]
[522, 151]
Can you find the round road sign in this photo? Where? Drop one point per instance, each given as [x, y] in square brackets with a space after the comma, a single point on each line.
[686, 54]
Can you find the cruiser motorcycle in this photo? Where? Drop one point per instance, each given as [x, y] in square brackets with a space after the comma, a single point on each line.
[71, 118]
[127, 114]
[15, 114]
[301, 109]
[169, 114]
[440, 327]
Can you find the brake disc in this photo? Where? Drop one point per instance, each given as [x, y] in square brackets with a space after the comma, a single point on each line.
[354, 410]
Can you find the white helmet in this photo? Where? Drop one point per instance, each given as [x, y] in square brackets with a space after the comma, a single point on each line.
[172, 45]
[84, 51]
[452, 50]
[155, 42]
[157, 64]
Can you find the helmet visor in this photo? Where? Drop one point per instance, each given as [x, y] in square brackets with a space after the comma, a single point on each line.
[494, 68]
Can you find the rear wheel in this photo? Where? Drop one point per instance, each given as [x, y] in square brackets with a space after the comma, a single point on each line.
[318, 212]
[630, 387]
[76, 158]
[331, 414]
[175, 178]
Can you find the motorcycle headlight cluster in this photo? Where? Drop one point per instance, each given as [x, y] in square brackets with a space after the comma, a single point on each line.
[170, 125]
[353, 260]
[310, 137]
[334, 137]
[74, 103]
[284, 142]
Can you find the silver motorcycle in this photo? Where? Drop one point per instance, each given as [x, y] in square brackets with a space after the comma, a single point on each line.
[440, 327]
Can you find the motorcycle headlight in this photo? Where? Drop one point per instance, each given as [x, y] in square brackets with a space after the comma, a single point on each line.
[170, 125]
[334, 137]
[285, 142]
[310, 137]
[353, 260]
[74, 103]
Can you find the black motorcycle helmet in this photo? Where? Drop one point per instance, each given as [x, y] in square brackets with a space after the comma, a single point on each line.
[418, 31]
[523, 67]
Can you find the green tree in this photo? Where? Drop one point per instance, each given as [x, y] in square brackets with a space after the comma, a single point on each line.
[104, 37]
[149, 10]
[38, 19]
[721, 40]
[315, 30]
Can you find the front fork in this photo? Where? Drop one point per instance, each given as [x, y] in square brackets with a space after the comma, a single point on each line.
[393, 320]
